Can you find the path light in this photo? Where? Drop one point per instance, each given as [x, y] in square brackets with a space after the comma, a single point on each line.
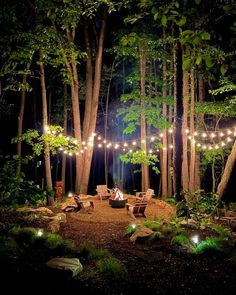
[195, 239]
[134, 225]
[70, 195]
[40, 233]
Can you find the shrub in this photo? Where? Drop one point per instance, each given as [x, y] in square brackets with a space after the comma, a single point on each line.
[180, 239]
[156, 235]
[131, 228]
[92, 252]
[112, 268]
[209, 244]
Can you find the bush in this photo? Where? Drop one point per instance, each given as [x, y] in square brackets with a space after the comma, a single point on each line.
[209, 244]
[91, 252]
[15, 189]
[112, 268]
[180, 240]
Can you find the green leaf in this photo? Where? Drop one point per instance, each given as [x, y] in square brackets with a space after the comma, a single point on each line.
[186, 63]
[164, 20]
[182, 21]
[209, 62]
[205, 36]
[223, 69]
[198, 60]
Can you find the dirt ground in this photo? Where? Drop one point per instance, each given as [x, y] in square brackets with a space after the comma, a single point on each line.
[152, 267]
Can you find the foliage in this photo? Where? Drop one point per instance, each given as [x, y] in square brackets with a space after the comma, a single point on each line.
[53, 137]
[224, 108]
[156, 235]
[154, 225]
[131, 228]
[232, 206]
[199, 204]
[209, 244]
[91, 252]
[112, 268]
[140, 157]
[180, 239]
[15, 189]
[223, 232]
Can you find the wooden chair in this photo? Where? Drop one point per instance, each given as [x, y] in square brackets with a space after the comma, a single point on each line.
[103, 192]
[136, 209]
[146, 196]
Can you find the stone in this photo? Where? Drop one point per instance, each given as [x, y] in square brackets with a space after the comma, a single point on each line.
[69, 205]
[72, 264]
[142, 232]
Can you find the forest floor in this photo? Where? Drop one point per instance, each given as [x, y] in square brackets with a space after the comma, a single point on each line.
[153, 267]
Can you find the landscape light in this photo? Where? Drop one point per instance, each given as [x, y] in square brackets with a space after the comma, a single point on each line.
[40, 233]
[70, 195]
[195, 239]
[133, 225]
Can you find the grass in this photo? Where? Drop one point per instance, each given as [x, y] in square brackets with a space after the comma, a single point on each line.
[180, 240]
[112, 268]
[93, 253]
[209, 244]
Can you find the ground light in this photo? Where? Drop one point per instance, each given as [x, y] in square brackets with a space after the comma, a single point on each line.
[133, 225]
[40, 233]
[195, 239]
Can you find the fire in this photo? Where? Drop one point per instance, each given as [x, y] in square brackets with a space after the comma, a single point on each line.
[118, 194]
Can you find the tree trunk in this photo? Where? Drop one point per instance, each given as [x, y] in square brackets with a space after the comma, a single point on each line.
[87, 158]
[185, 171]
[63, 165]
[20, 123]
[164, 139]
[178, 115]
[170, 156]
[227, 172]
[144, 167]
[193, 149]
[47, 162]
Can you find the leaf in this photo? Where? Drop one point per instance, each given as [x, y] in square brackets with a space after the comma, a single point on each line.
[164, 20]
[223, 69]
[205, 36]
[198, 1]
[198, 60]
[186, 63]
[182, 21]
[209, 62]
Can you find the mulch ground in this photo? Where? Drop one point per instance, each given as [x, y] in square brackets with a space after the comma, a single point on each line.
[153, 267]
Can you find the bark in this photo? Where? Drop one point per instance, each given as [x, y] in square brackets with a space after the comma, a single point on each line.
[20, 123]
[178, 114]
[193, 149]
[185, 171]
[227, 172]
[170, 156]
[65, 115]
[144, 167]
[47, 162]
[164, 139]
[87, 158]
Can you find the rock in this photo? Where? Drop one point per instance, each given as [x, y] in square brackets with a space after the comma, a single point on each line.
[71, 264]
[44, 210]
[54, 226]
[142, 232]
[69, 205]
[61, 217]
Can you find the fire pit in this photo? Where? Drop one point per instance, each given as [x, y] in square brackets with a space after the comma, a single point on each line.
[117, 203]
[117, 199]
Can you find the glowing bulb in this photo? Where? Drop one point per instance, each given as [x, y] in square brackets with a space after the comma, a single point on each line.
[134, 143]
[198, 145]
[150, 151]
[77, 154]
[210, 148]
[170, 131]
[46, 128]
[61, 149]
[213, 135]
[229, 132]
[125, 144]
[229, 139]
[82, 151]
[67, 138]
[116, 146]
[104, 141]
[171, 146]
[164, 148]
[40, 233]
[60, 135]
[99, 145]
[70, 195]
[193, 141]
[152, 138]
[189, 137]
[195, 239]
[53, 132]
[99, 138]
[187, 131]
[222, 144]
[85, 147]
[124, 150]
[204, 135]
[83, 143]
[70, 154]
[130, 151]
[75, 141]
[65, 152]
[221, 134]
[143, 141]
[196, 133]
[204, 147]
[161, 134]
[133, 225]
[158, 150]
[216, 147]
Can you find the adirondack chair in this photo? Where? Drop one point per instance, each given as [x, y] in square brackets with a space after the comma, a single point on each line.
[136, 209]
[104, 192]
[146, 196]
